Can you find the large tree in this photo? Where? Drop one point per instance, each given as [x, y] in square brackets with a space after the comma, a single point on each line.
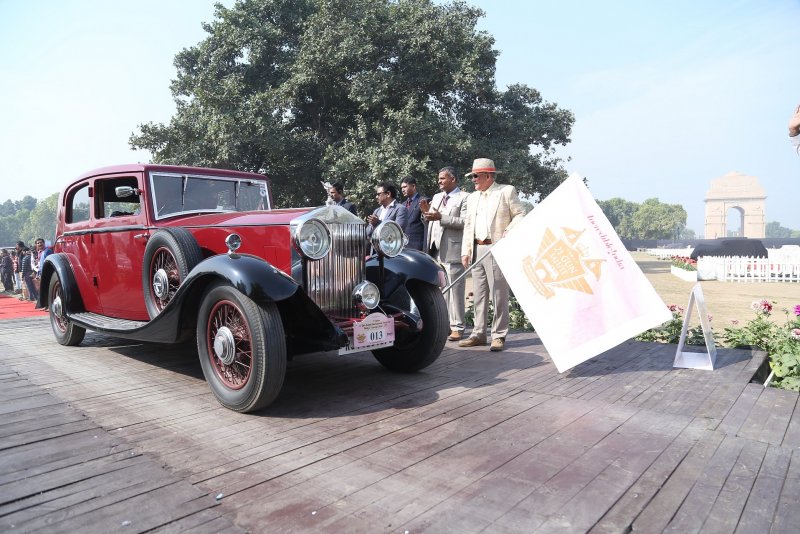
[655, 220]
[354, 91]
[42, 220]
[620, 214]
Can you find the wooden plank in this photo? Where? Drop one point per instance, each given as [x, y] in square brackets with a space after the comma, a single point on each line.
[787, 513]
[31, 455]
[706, 488]
[580, 494]
[792, 437]
[740, 411]
[769, 418]
[763, 498]
[729, 505]
[44, 434]
[661, 508]
[620, 516]
[81, 496]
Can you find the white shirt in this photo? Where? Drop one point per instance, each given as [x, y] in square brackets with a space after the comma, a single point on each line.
[384, 209]
[482, 215]
[795, 139]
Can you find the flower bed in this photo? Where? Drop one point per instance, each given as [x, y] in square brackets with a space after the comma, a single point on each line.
[683, 274]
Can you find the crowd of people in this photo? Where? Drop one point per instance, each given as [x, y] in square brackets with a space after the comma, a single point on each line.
[20, 268]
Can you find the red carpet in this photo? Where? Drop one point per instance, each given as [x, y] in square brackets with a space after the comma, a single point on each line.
[12, 308]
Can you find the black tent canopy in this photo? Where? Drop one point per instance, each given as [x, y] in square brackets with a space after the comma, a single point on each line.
[730, 247]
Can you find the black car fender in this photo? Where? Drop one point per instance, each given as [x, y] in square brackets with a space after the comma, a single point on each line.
[59, 264]
[261, 282]
[408, 265]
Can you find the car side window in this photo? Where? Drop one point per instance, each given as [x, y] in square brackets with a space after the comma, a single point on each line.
[78, 205]
[109, 204]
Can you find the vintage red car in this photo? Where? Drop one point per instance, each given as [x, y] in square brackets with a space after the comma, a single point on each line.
[162, 253]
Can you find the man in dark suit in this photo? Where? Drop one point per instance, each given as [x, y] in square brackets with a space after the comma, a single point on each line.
[414, 229]
[389, 209]
[336, 192]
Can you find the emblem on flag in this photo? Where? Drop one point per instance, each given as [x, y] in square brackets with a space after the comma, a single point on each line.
[561, 263]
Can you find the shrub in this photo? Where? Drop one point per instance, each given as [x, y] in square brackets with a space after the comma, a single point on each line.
[517, 320]
[780, 342]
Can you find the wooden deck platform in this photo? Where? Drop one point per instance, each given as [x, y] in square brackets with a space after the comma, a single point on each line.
[126, 436]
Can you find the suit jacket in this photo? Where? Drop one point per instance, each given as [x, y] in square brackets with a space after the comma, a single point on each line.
[446, 234]
[505, 210]
[349, 206]
[414, 228]
[396, 213]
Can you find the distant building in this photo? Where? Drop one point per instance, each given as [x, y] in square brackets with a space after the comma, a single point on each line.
[746, 197]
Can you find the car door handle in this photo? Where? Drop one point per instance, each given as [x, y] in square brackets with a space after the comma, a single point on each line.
[141, 236]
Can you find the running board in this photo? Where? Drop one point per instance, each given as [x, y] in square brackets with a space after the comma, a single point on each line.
[95, 321]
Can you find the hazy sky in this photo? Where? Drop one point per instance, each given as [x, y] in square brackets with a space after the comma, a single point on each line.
[667, 95]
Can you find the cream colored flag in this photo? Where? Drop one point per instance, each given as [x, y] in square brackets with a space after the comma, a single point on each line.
[580, 288]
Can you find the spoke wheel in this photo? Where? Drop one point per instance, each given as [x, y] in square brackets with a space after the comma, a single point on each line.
[242, 348]
[231, 344]
[66, 332]
[165, 276]
[170, 254]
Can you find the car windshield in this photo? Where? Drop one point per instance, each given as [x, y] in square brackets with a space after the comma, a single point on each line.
[177, 193]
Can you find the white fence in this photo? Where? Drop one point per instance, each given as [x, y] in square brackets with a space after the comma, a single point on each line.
[747, 269]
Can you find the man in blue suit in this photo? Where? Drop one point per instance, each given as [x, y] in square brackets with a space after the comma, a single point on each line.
[389, 209]
[415, 228]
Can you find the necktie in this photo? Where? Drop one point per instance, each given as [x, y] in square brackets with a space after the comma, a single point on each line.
[408, 203]
[444, 202]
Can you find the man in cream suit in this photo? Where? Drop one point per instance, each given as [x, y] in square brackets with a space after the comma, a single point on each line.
[491, 210]
[445, 230]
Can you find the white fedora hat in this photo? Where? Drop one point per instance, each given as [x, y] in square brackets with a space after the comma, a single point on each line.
[481, 165]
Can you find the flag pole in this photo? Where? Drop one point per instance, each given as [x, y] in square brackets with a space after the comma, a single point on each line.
[467, 270]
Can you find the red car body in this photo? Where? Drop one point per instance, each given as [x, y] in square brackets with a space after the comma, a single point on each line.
[158, 253]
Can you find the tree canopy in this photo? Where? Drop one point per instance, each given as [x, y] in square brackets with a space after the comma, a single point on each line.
[774, 229]
[651, 219]
[28, 219]
[355, 91]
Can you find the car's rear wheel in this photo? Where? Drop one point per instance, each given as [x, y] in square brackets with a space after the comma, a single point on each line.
[242, 349]
[66, 332]
[418, 351]
[169, 256]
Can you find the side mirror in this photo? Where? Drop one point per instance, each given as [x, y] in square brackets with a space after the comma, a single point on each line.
[124, 191]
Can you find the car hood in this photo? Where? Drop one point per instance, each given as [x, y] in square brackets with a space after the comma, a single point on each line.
[245, 218]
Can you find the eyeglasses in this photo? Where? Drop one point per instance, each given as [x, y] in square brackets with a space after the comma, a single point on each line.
[379, 193]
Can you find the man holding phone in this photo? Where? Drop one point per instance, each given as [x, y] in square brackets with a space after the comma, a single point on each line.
[445, 231]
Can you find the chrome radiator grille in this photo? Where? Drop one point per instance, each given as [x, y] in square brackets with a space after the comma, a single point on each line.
[331, 280]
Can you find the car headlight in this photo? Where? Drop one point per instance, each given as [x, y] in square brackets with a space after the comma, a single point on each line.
[313, 239]
[367, 294]
[388, 238]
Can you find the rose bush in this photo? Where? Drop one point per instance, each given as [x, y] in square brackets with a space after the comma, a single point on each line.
[684, 262]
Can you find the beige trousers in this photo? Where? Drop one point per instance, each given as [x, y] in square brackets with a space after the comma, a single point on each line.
[488, 280]
[455, 295]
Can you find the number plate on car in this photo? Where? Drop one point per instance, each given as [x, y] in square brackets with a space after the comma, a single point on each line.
[376, 331]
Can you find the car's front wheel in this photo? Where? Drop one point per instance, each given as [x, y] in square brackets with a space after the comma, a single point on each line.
[242, 349]
[66, 332]
[419, 350]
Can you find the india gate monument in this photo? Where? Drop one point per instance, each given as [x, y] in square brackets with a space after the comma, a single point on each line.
[740, 193]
